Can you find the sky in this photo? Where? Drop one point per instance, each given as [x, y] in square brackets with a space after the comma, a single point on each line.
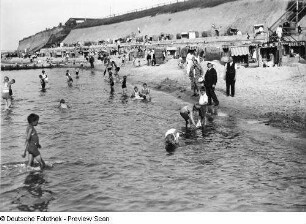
[23, 18]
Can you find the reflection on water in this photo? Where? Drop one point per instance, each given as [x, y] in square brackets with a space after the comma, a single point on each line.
[32, 196]
[114, 159]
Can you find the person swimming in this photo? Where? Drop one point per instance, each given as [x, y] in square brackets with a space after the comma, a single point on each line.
[63, 104]
[171, 140]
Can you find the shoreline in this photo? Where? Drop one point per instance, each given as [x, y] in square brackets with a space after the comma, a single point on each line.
[251, 102]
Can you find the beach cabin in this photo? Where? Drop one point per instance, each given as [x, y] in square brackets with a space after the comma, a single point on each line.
[240, 55]
[184, 35]
[193, 34]
[172, 51]
[258, 28]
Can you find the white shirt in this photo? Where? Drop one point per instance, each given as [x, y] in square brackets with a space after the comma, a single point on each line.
[173, 132]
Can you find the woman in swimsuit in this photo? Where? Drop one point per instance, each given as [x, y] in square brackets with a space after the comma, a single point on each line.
[6, 93]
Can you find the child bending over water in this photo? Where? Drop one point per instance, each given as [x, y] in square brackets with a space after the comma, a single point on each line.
[32, 142]
[187, 113]
[171, 140]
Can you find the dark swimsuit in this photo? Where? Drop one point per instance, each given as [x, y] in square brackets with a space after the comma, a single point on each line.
[32, 147]
[124, 84]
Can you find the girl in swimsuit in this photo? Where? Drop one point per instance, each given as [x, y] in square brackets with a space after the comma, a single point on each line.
[32, 142]
[6, 93]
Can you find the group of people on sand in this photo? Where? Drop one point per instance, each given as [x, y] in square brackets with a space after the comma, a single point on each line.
[202, 85]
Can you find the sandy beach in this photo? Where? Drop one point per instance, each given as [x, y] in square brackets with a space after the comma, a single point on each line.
[275, 96]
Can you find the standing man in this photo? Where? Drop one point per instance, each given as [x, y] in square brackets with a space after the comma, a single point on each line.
[230, 76]
[210, 84]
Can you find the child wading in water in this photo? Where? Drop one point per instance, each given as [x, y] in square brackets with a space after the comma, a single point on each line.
[124, 89]
[69, 78]
[111, 82]
[42, 82]
[6, 93]
[10, 88]
[32, 142]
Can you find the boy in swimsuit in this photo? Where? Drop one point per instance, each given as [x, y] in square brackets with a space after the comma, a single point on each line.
[187, 113]
[146, 92]
[171, 140]
[203, 101]
[32, 142]
[6, 92]
[42, 82]
[124, 89]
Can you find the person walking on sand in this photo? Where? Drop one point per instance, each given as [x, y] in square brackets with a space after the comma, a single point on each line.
[32, 142]
[210, 84]
[230, 76]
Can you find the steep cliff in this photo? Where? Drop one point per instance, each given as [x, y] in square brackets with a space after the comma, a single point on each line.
[38, 40]
[241, 14]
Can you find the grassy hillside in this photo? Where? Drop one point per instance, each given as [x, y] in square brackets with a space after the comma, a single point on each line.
[172, 8]
[241, 14]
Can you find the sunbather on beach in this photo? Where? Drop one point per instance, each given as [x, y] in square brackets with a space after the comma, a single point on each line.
[145, 92]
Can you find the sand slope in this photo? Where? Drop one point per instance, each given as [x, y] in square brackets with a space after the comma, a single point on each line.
[242, 14]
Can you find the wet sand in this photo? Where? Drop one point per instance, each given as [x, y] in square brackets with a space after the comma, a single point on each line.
[274, 96]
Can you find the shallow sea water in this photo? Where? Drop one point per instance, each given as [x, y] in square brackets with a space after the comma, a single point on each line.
[107, 154]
